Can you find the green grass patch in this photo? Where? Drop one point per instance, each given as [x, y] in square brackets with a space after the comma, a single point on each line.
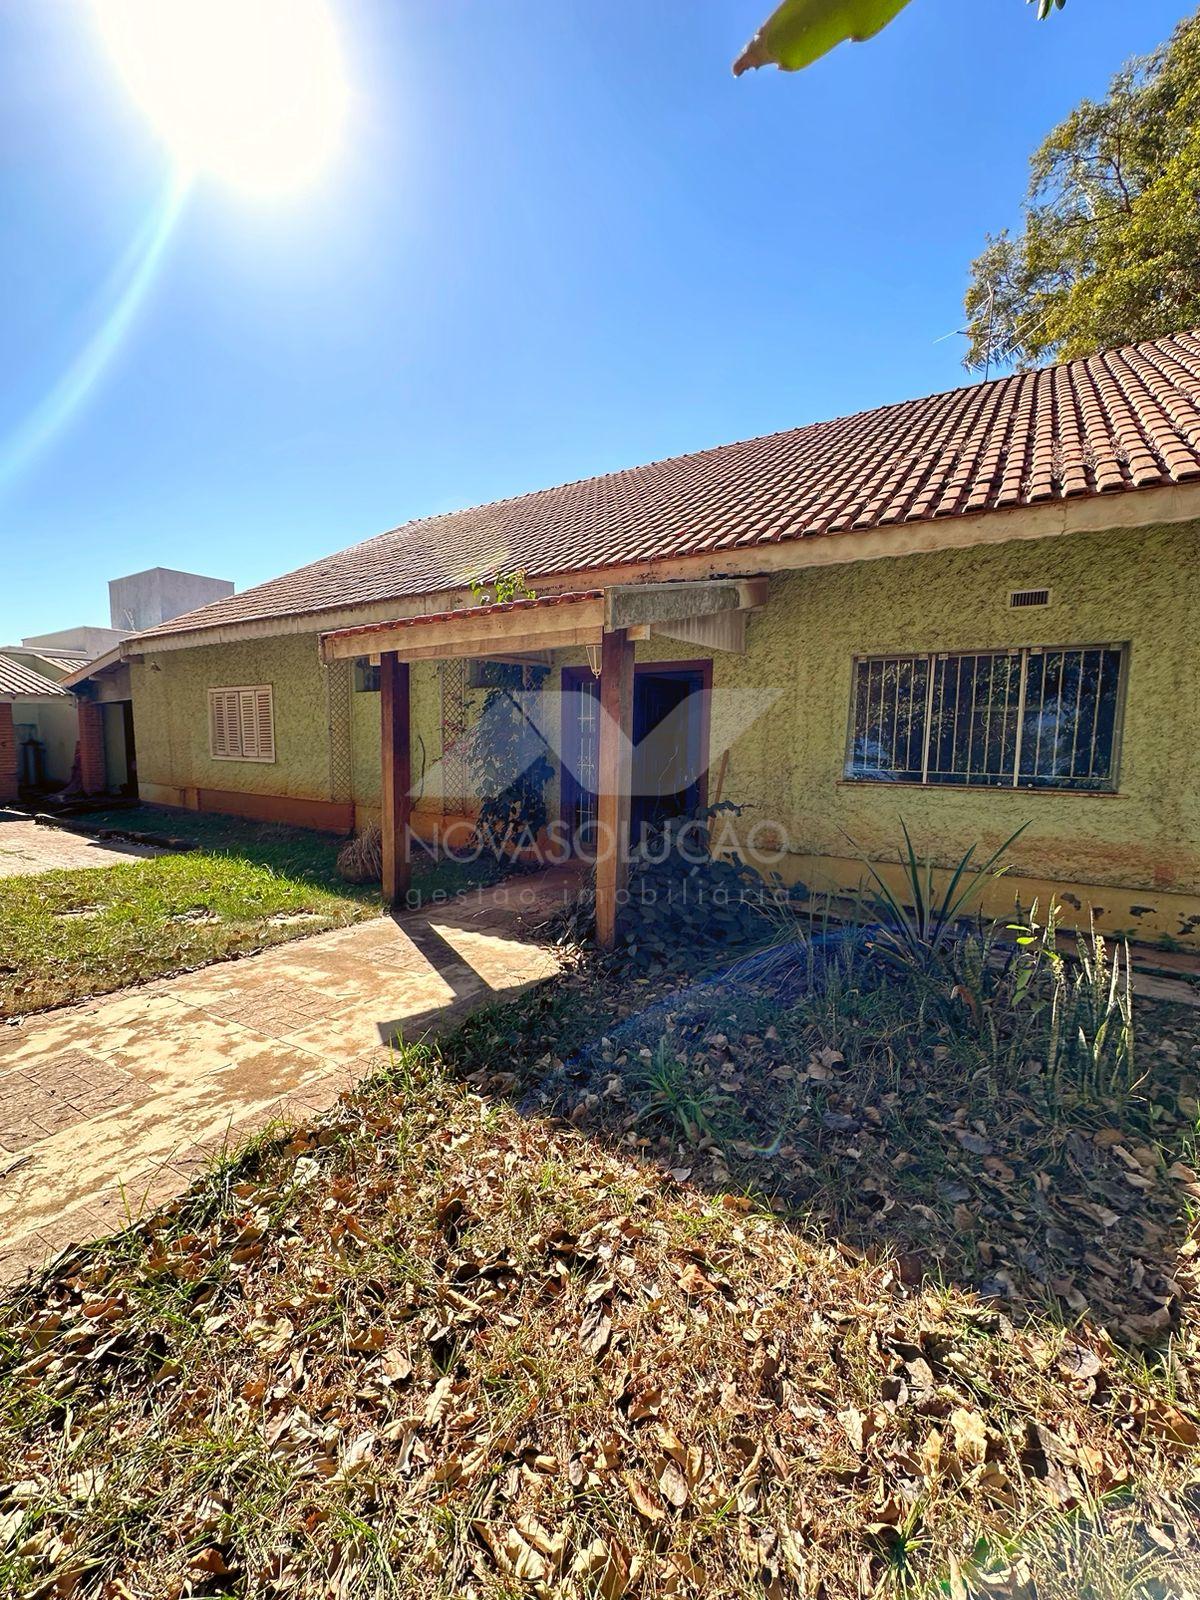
[64, 935]
[69, 934]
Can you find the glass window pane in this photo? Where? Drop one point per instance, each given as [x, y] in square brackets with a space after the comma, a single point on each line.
[887, 731]
[1069, 734]
[975, 719]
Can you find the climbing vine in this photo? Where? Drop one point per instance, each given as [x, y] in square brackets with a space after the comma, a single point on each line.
[501, 590]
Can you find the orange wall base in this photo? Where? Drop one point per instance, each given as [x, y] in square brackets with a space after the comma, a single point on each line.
[329, 816]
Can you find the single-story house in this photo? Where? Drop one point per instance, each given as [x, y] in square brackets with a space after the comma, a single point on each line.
[37, 720]
[976, 610]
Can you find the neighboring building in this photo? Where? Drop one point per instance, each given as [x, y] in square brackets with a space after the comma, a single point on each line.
[146, 599]
[47, 728]
[29, 694]
[976, 610]
[86, 643]
[45, 725]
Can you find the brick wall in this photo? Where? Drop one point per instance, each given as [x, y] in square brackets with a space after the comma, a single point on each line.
[8, 754]
[93, 771]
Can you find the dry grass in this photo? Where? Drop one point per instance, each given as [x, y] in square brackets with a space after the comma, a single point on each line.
[435, 1347]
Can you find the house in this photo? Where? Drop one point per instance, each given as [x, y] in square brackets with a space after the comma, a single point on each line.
[976, 610]
[48, 728]
[44, 724]
[36, 715]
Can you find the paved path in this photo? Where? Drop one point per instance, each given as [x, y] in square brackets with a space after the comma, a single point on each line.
[26, 848]
[111, 1107]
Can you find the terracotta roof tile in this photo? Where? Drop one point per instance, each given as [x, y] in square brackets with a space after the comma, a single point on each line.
[18, 681]
[1122, 420]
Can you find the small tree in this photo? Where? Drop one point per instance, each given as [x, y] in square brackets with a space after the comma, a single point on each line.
[1110, 249]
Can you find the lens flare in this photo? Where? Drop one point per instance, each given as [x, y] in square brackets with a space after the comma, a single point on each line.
[251, 92]
[124, 293]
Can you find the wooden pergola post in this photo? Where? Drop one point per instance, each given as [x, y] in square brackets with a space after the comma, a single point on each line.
[396, 777]
[615, 779]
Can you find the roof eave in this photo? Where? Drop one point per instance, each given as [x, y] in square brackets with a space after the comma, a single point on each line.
[1091, 513]
[108, 662]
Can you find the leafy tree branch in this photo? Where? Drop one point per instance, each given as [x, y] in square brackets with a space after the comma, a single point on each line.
[1109, 250]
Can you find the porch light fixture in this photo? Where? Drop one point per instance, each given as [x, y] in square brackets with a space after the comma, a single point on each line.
[593, 659]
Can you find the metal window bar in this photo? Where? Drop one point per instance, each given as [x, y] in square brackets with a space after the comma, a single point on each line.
[1035, 717]
[588, 775]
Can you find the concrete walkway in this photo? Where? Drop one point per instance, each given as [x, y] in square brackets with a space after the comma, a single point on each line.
[109, 1108]
[26, 847]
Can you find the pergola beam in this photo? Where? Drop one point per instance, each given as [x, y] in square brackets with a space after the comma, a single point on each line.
[482, 631]
[542, 626]
[615, 777]
[395, 777]
[531, 643]
[631, 605]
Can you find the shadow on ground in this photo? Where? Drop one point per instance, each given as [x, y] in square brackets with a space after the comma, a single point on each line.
[300, 854]
[810, 1083]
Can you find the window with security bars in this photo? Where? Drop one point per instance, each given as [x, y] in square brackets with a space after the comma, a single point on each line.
[1034, 718]
[241, 723]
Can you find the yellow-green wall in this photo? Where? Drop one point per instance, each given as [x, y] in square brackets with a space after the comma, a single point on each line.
[170, 710]
[1140, 588]
[312, 724]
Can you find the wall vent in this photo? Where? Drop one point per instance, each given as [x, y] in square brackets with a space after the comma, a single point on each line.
[1022, 599]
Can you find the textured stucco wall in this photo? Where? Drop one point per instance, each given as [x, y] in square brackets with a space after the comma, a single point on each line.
[1137, 588]
[170, 691]
[170, 701]
[782, 709]
[425, 705]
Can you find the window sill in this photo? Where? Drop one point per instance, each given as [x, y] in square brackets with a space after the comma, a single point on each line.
[983, 788]
[258, 761]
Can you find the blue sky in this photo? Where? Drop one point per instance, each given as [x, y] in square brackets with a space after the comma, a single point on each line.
[560, 239]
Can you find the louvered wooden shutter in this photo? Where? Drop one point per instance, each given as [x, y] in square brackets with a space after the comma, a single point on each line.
[246, 724]
[224, 732]
[218, 743]
[264, 724]
[241, 723]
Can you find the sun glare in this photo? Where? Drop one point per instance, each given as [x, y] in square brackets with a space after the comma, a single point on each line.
[252, 92]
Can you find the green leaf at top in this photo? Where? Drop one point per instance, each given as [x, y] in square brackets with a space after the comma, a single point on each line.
[799, 32]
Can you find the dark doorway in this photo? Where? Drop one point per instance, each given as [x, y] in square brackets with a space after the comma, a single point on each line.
[131, 783]
[670, 739]
[120, 753]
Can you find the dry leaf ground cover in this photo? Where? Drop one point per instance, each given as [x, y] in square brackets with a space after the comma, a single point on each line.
[843, 1099]
[239, 887]
[442, 1345]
